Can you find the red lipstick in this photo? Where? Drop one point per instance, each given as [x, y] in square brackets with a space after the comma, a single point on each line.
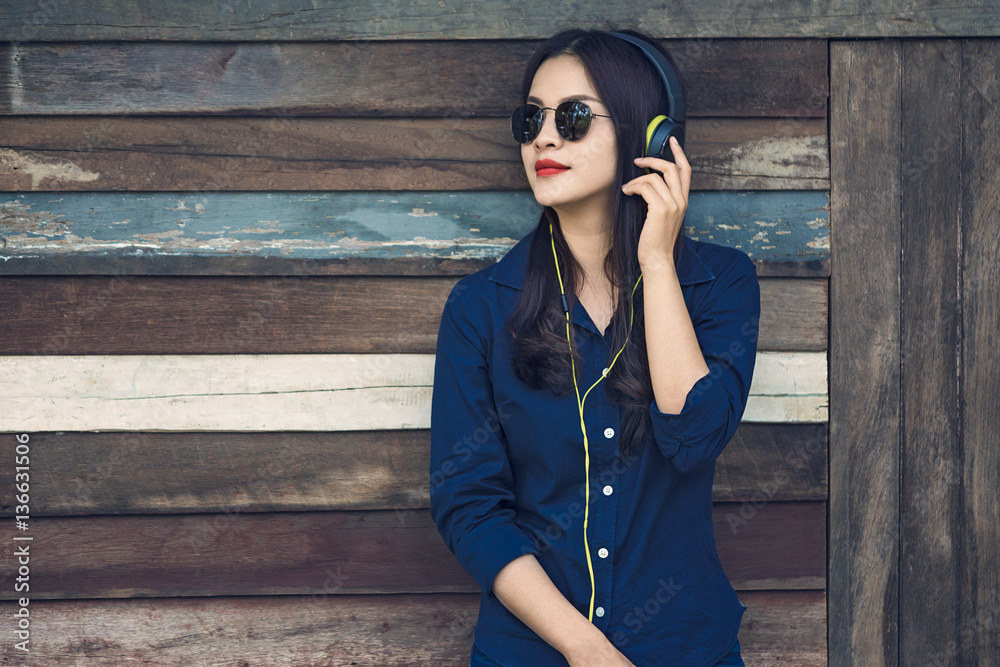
[549, 168]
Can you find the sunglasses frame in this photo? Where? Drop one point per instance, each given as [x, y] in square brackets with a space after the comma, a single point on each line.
[562, 128]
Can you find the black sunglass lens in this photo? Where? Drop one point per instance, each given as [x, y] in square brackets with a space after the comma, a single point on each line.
[526, 123]
[573, 120]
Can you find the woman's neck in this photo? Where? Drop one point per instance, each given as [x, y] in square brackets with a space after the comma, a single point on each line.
[587, 237]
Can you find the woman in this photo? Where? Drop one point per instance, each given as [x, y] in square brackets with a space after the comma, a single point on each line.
[588, 524]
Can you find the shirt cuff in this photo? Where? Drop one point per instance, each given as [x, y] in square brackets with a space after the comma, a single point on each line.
[706, 407]
[487, 552]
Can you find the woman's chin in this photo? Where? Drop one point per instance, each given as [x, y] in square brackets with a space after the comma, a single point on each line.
[546, 197]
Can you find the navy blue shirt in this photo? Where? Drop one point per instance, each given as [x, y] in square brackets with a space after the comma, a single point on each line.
[507, 470]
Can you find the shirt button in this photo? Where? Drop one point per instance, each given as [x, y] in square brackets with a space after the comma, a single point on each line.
[608, 490]
[603, 553]
[599, 611]
[609, 433]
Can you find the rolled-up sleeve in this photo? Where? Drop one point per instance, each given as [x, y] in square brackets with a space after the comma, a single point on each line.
[471, 483]
[726, 326]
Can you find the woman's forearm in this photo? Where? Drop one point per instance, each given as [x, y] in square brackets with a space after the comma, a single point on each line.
[675, 359]
[524, 587]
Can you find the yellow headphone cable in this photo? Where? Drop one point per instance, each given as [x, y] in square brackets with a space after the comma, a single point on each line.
[586, 447]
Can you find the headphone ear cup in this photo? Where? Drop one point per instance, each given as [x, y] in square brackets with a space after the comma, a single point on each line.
[658, 133]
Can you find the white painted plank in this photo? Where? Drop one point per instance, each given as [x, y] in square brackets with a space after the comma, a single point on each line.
[307, 392]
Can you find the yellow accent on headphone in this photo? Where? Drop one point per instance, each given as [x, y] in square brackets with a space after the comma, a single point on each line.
[652, 128]
[583, 427]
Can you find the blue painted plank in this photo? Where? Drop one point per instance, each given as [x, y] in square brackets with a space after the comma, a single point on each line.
[770, 226]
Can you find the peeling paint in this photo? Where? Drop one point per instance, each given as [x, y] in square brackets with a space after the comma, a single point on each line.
[16, 218]
[822, 243]
[37, 225]
[260, 230]
[419, 213]
[781, 157]
[41, 169]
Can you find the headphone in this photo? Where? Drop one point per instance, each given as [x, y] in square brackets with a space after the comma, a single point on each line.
[662, 127]
[658, 132]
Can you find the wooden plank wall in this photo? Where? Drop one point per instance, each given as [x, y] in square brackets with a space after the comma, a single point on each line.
[914, 461]
[223, 268]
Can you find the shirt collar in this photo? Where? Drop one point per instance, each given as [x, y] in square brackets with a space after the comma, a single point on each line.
[511, 268]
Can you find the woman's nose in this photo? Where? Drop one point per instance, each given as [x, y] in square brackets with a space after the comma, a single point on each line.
[548, 135]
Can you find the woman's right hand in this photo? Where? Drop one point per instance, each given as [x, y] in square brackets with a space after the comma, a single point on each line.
[601, 654]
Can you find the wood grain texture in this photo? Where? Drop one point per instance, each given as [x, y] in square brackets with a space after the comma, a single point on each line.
[452, 79]
[327, 315]
[76, 474]
[980, 419]
[774, 545]
[292, 392]
[521, 19]
[167, 153]
[864, 352]
[39, 231]
[779, 628]
[221, 264]
[930, 454]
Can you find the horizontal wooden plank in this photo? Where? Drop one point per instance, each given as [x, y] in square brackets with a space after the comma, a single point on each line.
[451, 79]
[329, 315]
[293, 392]
[773, 545]
[107, 264]
[151, 473]
[165, 153]
[779, 628]
[522, 19]
[37, 229]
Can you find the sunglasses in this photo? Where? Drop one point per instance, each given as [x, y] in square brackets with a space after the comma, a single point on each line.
[572, 121]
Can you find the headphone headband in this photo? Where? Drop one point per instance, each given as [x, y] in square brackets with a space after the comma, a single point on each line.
[670, 80]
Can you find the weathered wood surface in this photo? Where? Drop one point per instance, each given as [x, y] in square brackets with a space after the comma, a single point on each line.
[774, 545]
[39, 230]
[292, 392]
[520, 19]
[979, 570]
[169, 153]
[865, 353]
[452, 79]
[930, 457]
[151, 473]
[329, 315]
[779, 628]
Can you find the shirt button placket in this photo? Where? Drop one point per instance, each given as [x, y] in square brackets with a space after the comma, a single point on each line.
[605, 453]
[607, 504]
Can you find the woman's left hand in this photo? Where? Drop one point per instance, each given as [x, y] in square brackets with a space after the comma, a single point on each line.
[666, 193]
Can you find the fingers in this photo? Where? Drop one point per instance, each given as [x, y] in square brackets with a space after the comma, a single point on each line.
[677, 174]
[652, 188]
[658, 187]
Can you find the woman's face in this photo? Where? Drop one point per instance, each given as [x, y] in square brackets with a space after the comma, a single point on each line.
[591, 161]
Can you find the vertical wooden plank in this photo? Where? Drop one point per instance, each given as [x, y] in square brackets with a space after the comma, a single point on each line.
[864, 352]
[980, 574]
[930, 454]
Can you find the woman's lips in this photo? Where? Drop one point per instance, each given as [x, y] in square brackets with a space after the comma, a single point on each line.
[549, 168]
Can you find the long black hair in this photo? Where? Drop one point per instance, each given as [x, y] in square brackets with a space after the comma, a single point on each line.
[633, 93]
